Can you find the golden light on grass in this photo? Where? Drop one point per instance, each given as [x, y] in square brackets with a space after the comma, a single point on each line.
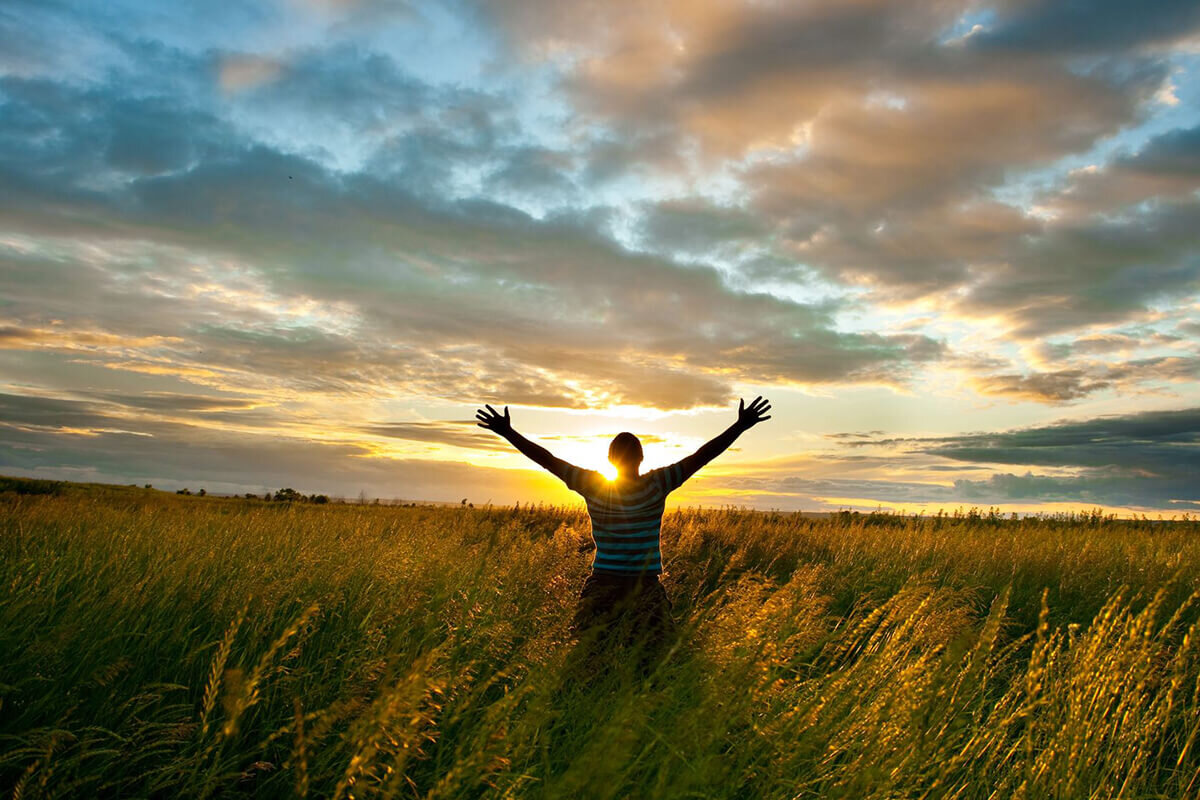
[241, 646]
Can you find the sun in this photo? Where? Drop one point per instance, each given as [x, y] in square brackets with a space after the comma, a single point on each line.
[608, 471]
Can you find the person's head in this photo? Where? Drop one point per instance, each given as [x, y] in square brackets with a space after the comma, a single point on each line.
[625, 453]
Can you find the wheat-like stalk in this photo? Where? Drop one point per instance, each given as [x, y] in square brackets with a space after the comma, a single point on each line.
[248, 692]
[212, 687]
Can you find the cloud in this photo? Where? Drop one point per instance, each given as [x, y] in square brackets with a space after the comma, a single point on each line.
[172, 402]
[1175, 153]
[48, 412]
[695, 226]
[1167, 166]
[85, 413]
[537, 172]
[1152, 443]
[1066, 385]
[1097, 489]
[346, 86]
[234, 464]
[869, 435]
[448, 433]
[446, 297]
[92, 439]
[872, 149]
[1104, 343]
[239, 72]
[1143, 460]
[795, 492]
[1047, 387]
[1097, 26]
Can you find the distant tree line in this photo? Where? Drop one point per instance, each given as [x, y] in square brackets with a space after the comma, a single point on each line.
[31, 486]
[288, 495]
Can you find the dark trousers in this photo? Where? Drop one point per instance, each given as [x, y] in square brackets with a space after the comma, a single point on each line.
[619, 612]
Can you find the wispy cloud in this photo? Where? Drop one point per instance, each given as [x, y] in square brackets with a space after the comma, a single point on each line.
[1147, 460]
[453, 433]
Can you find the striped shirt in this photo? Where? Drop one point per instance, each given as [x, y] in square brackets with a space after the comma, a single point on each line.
[626, 516]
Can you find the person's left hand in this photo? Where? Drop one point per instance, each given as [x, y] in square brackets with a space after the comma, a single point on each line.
[756, 412]
[493, 421]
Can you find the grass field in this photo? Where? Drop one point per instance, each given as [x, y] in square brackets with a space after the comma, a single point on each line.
[167, 646]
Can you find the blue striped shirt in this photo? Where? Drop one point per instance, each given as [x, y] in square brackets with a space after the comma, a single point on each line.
[626, 516]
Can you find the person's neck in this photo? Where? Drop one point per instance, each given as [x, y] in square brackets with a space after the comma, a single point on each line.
[627, 475]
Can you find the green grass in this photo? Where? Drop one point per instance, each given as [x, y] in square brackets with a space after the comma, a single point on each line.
[167, 646]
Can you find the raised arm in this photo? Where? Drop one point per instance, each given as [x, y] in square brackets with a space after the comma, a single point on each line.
[492, 420]
[748, 417]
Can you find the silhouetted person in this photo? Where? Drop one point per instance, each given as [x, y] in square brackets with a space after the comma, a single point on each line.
[623, 600]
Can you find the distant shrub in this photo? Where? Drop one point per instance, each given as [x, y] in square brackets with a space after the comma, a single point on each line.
[31, 486]
[290, 495]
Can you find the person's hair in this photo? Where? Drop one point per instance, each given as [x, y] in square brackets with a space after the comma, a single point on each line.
[625, 449]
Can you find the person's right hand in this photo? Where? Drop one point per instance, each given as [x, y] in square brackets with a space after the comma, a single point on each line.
[751, 415]
[493, 421]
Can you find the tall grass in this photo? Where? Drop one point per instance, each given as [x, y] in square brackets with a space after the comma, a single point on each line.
[185, 647]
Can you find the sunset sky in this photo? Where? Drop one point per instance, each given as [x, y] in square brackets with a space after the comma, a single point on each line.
[957, 244]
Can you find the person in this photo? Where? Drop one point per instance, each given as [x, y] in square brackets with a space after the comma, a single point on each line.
[623, 599]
